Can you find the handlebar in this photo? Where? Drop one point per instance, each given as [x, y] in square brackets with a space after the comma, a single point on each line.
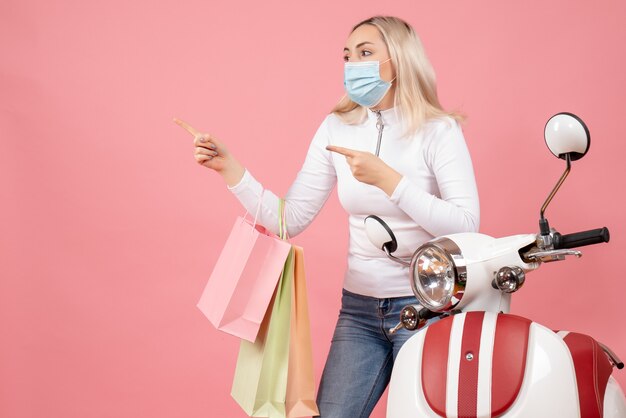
[580, 239]
[425, 314]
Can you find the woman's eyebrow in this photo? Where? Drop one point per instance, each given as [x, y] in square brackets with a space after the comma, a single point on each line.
[359, 45]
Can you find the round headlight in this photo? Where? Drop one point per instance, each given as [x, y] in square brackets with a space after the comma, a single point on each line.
[438, 275]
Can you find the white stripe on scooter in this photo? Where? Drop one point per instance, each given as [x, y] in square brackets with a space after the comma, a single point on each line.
[562, 334]
[454, 359]
[485, 360]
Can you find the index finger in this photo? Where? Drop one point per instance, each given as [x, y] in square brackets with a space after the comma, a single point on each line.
[341, 150]
[186, 127]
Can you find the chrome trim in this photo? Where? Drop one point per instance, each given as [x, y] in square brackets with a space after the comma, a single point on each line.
[455, 257]
[510, 279]
[380, 126]
[556, 188]
[410, 317]
[551, 255]
[615, 361]
[394, 258]
[545, 242]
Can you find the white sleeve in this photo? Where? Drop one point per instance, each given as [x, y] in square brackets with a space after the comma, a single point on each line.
[457, 209]
[306, 195]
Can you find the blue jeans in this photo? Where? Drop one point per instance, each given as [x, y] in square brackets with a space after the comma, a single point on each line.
[361, 355]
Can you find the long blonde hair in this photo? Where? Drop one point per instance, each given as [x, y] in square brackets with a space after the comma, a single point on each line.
[416, 91]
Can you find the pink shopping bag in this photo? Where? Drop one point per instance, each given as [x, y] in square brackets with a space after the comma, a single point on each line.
[243, 280]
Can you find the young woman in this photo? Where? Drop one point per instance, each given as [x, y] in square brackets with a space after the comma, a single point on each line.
[394, 152]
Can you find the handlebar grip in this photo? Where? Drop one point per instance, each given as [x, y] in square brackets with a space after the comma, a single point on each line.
[425, 314]
[580, 239]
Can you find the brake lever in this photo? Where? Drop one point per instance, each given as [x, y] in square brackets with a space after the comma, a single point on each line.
[547, 256]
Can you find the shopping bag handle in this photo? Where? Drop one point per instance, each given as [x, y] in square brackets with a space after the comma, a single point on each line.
[258, 209]
[282, 220]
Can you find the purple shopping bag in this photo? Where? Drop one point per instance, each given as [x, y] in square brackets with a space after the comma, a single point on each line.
[241, 286]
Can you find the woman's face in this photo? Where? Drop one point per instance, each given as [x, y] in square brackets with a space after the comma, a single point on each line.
[366, 43]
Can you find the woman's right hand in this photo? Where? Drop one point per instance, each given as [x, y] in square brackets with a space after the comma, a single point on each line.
[212, 153]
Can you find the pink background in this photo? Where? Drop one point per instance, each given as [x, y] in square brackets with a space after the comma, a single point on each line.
[109, 229]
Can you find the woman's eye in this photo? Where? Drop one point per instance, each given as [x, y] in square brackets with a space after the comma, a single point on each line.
[346, 58]
[366, 53]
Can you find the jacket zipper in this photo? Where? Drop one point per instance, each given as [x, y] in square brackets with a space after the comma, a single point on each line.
[380, 126]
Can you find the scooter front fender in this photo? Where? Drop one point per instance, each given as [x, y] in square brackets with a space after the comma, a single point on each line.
[476, 378]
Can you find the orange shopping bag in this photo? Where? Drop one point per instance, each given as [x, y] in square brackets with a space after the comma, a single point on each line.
[300, 397]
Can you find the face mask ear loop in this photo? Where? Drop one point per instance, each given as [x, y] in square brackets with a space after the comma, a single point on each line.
[388, 59]
[342, 97]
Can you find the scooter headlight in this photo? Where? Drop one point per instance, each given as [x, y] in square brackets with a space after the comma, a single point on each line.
[438, 274]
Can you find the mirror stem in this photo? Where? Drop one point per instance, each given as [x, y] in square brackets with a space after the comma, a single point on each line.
[394, 258]
[543, 223]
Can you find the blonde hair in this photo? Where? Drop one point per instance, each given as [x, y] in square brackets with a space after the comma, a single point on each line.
[416, 91]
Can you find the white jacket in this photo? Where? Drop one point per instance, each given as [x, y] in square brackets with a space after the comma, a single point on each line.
[436, 196]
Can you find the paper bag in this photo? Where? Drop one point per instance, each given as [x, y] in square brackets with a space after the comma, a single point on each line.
[243, 280]
[260, 382]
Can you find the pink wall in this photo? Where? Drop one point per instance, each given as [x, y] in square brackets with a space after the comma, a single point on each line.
[109, 228]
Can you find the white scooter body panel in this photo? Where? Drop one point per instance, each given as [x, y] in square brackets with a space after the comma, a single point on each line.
[482, 257]
[548, 387]
[614, 401]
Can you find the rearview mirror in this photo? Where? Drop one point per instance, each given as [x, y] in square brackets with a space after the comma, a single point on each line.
[566, 133]
[380, 234]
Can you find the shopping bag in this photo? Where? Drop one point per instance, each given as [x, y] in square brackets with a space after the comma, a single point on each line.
[300, 396]
[243, 280]
[274, 375]
[260, 381]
